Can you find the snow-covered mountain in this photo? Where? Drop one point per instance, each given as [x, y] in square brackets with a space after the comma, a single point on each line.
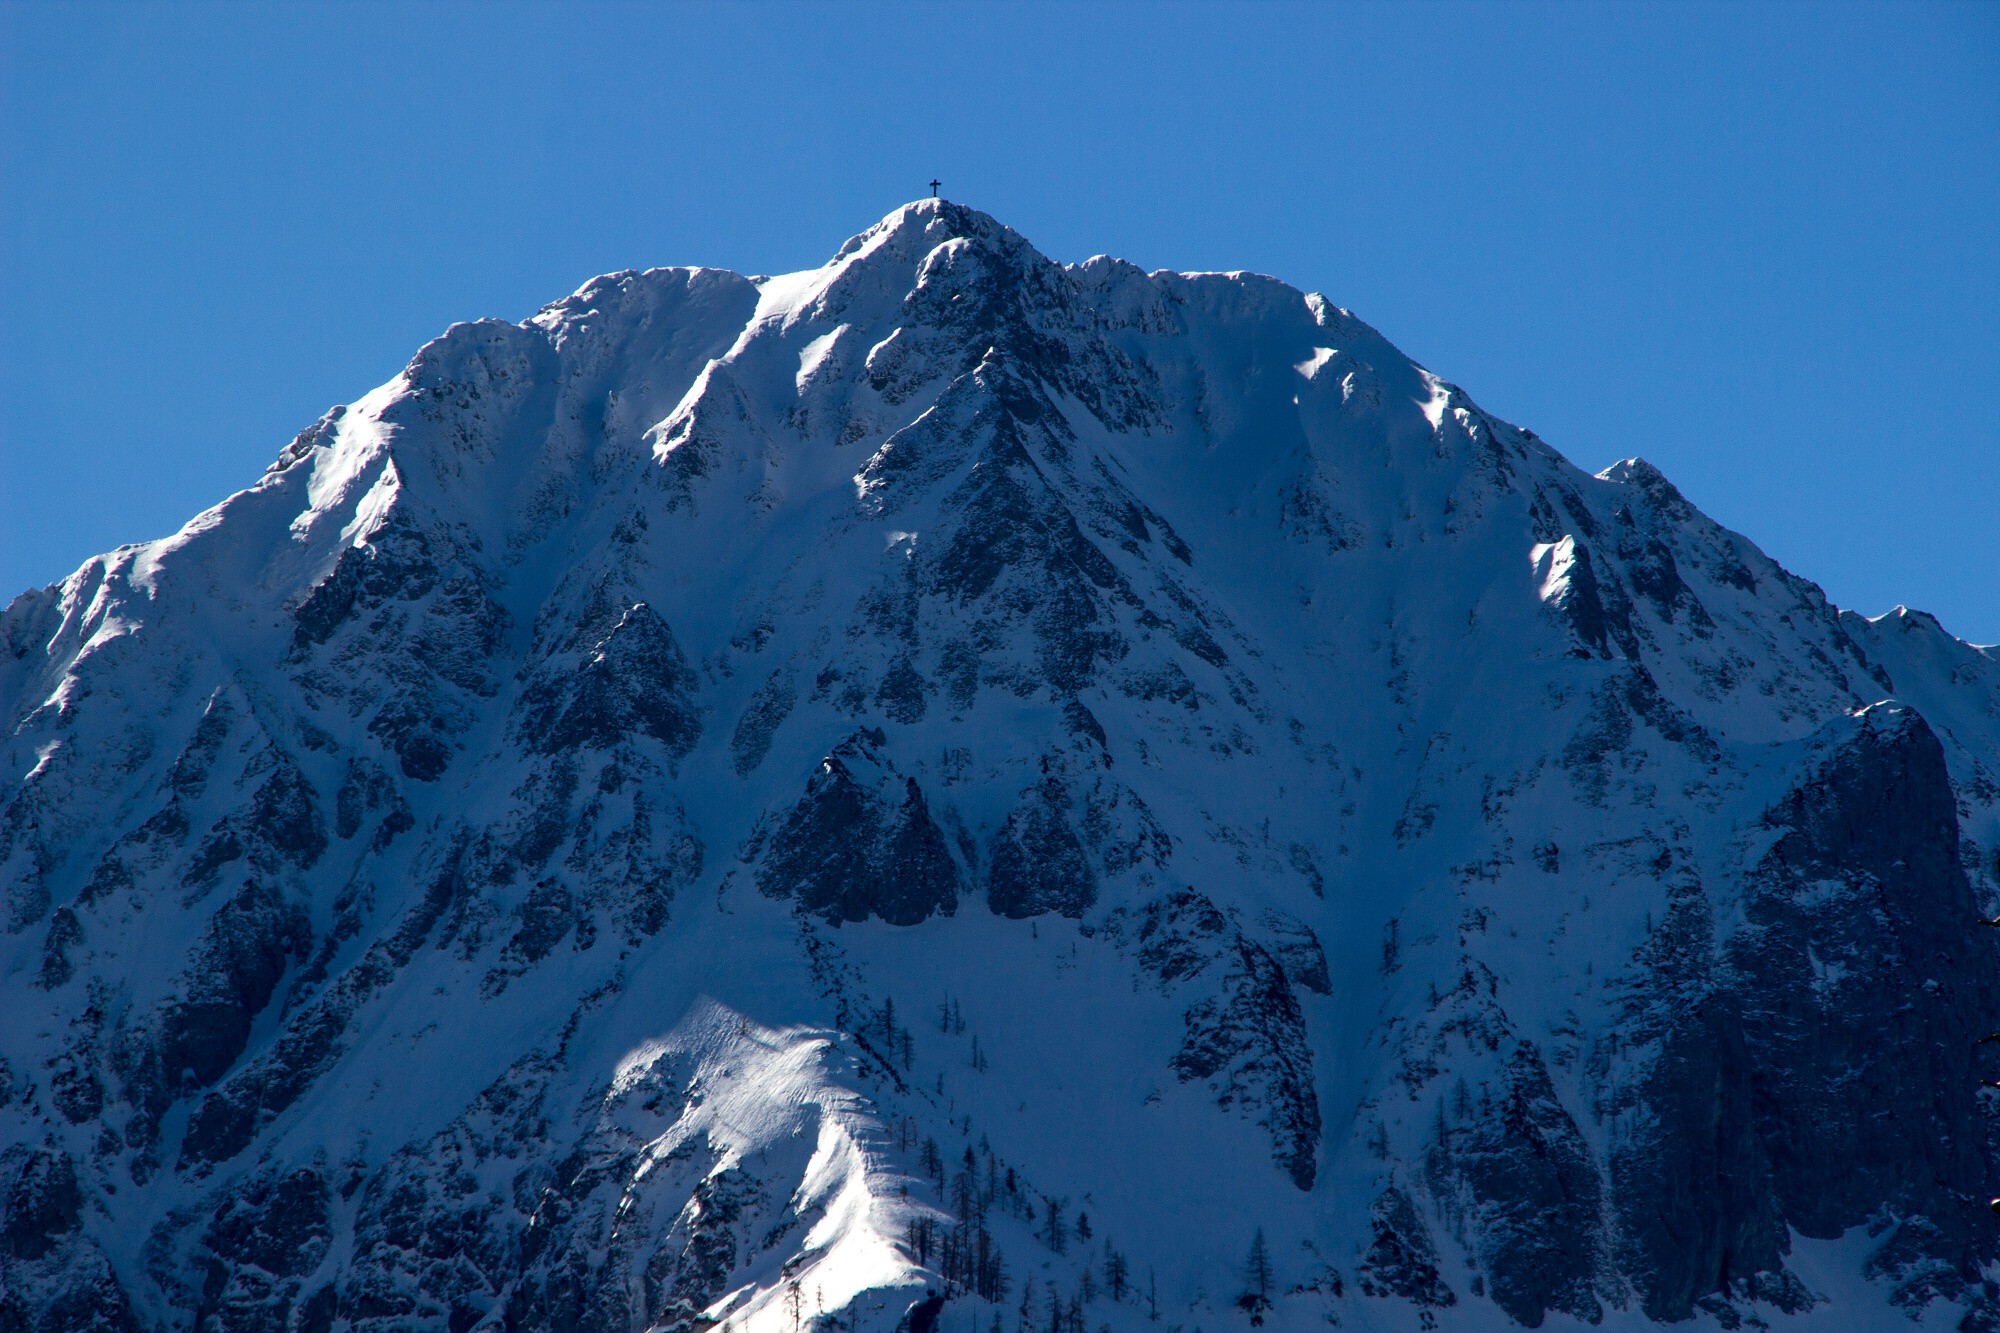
[956, 792]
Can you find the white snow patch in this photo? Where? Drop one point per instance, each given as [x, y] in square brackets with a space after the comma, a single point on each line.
[814, 355]
[1310, 366]
[1553, 562]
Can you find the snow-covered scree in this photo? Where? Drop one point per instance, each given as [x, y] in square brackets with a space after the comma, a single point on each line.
[956, 793]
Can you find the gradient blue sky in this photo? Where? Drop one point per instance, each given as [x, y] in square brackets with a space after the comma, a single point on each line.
[1756, 244]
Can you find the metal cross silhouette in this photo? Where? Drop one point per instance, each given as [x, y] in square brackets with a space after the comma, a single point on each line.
[934, 189]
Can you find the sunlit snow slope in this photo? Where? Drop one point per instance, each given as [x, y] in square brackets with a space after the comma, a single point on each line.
[956, 792]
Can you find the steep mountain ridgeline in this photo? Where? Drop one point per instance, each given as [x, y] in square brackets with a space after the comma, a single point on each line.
[749, 800]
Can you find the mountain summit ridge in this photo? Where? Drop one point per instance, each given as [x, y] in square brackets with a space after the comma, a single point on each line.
[749, 801]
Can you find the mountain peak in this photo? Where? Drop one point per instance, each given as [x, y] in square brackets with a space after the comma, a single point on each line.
[889, 260]
[767, 750]
[933, 221]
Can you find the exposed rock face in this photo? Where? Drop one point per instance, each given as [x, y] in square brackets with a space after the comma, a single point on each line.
[44, 1203]
[1518, 1165]
[1245, 1032]
[519, 866]
[1761, 1033]
[1692, 1232]
[1862, 895]
[1401, 1260]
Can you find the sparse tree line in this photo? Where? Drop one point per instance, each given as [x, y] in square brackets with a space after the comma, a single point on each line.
[963, 1251]
[961, 1248]
[882, 1033]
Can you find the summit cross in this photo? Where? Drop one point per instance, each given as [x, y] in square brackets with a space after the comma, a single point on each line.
[934, 188]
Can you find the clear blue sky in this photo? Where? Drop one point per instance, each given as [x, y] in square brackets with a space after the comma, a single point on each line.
[1758, 244]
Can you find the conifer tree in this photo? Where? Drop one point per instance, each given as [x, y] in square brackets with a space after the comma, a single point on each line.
[965, 1195]
[1257, 1280]
[1117, 1273]
[933, 1162]
[1055, 1233]
[922, 1238]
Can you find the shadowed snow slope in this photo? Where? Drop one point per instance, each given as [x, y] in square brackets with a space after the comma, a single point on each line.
[951, 788]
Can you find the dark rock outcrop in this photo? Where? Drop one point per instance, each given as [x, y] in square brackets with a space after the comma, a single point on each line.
[43, 1200]
[1515, 1162]
[633, 679]
[1402, 1260]
[261, 1242]
[1037, 862]
[1246, 1037]
[861, 842]
[1751, 1046]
